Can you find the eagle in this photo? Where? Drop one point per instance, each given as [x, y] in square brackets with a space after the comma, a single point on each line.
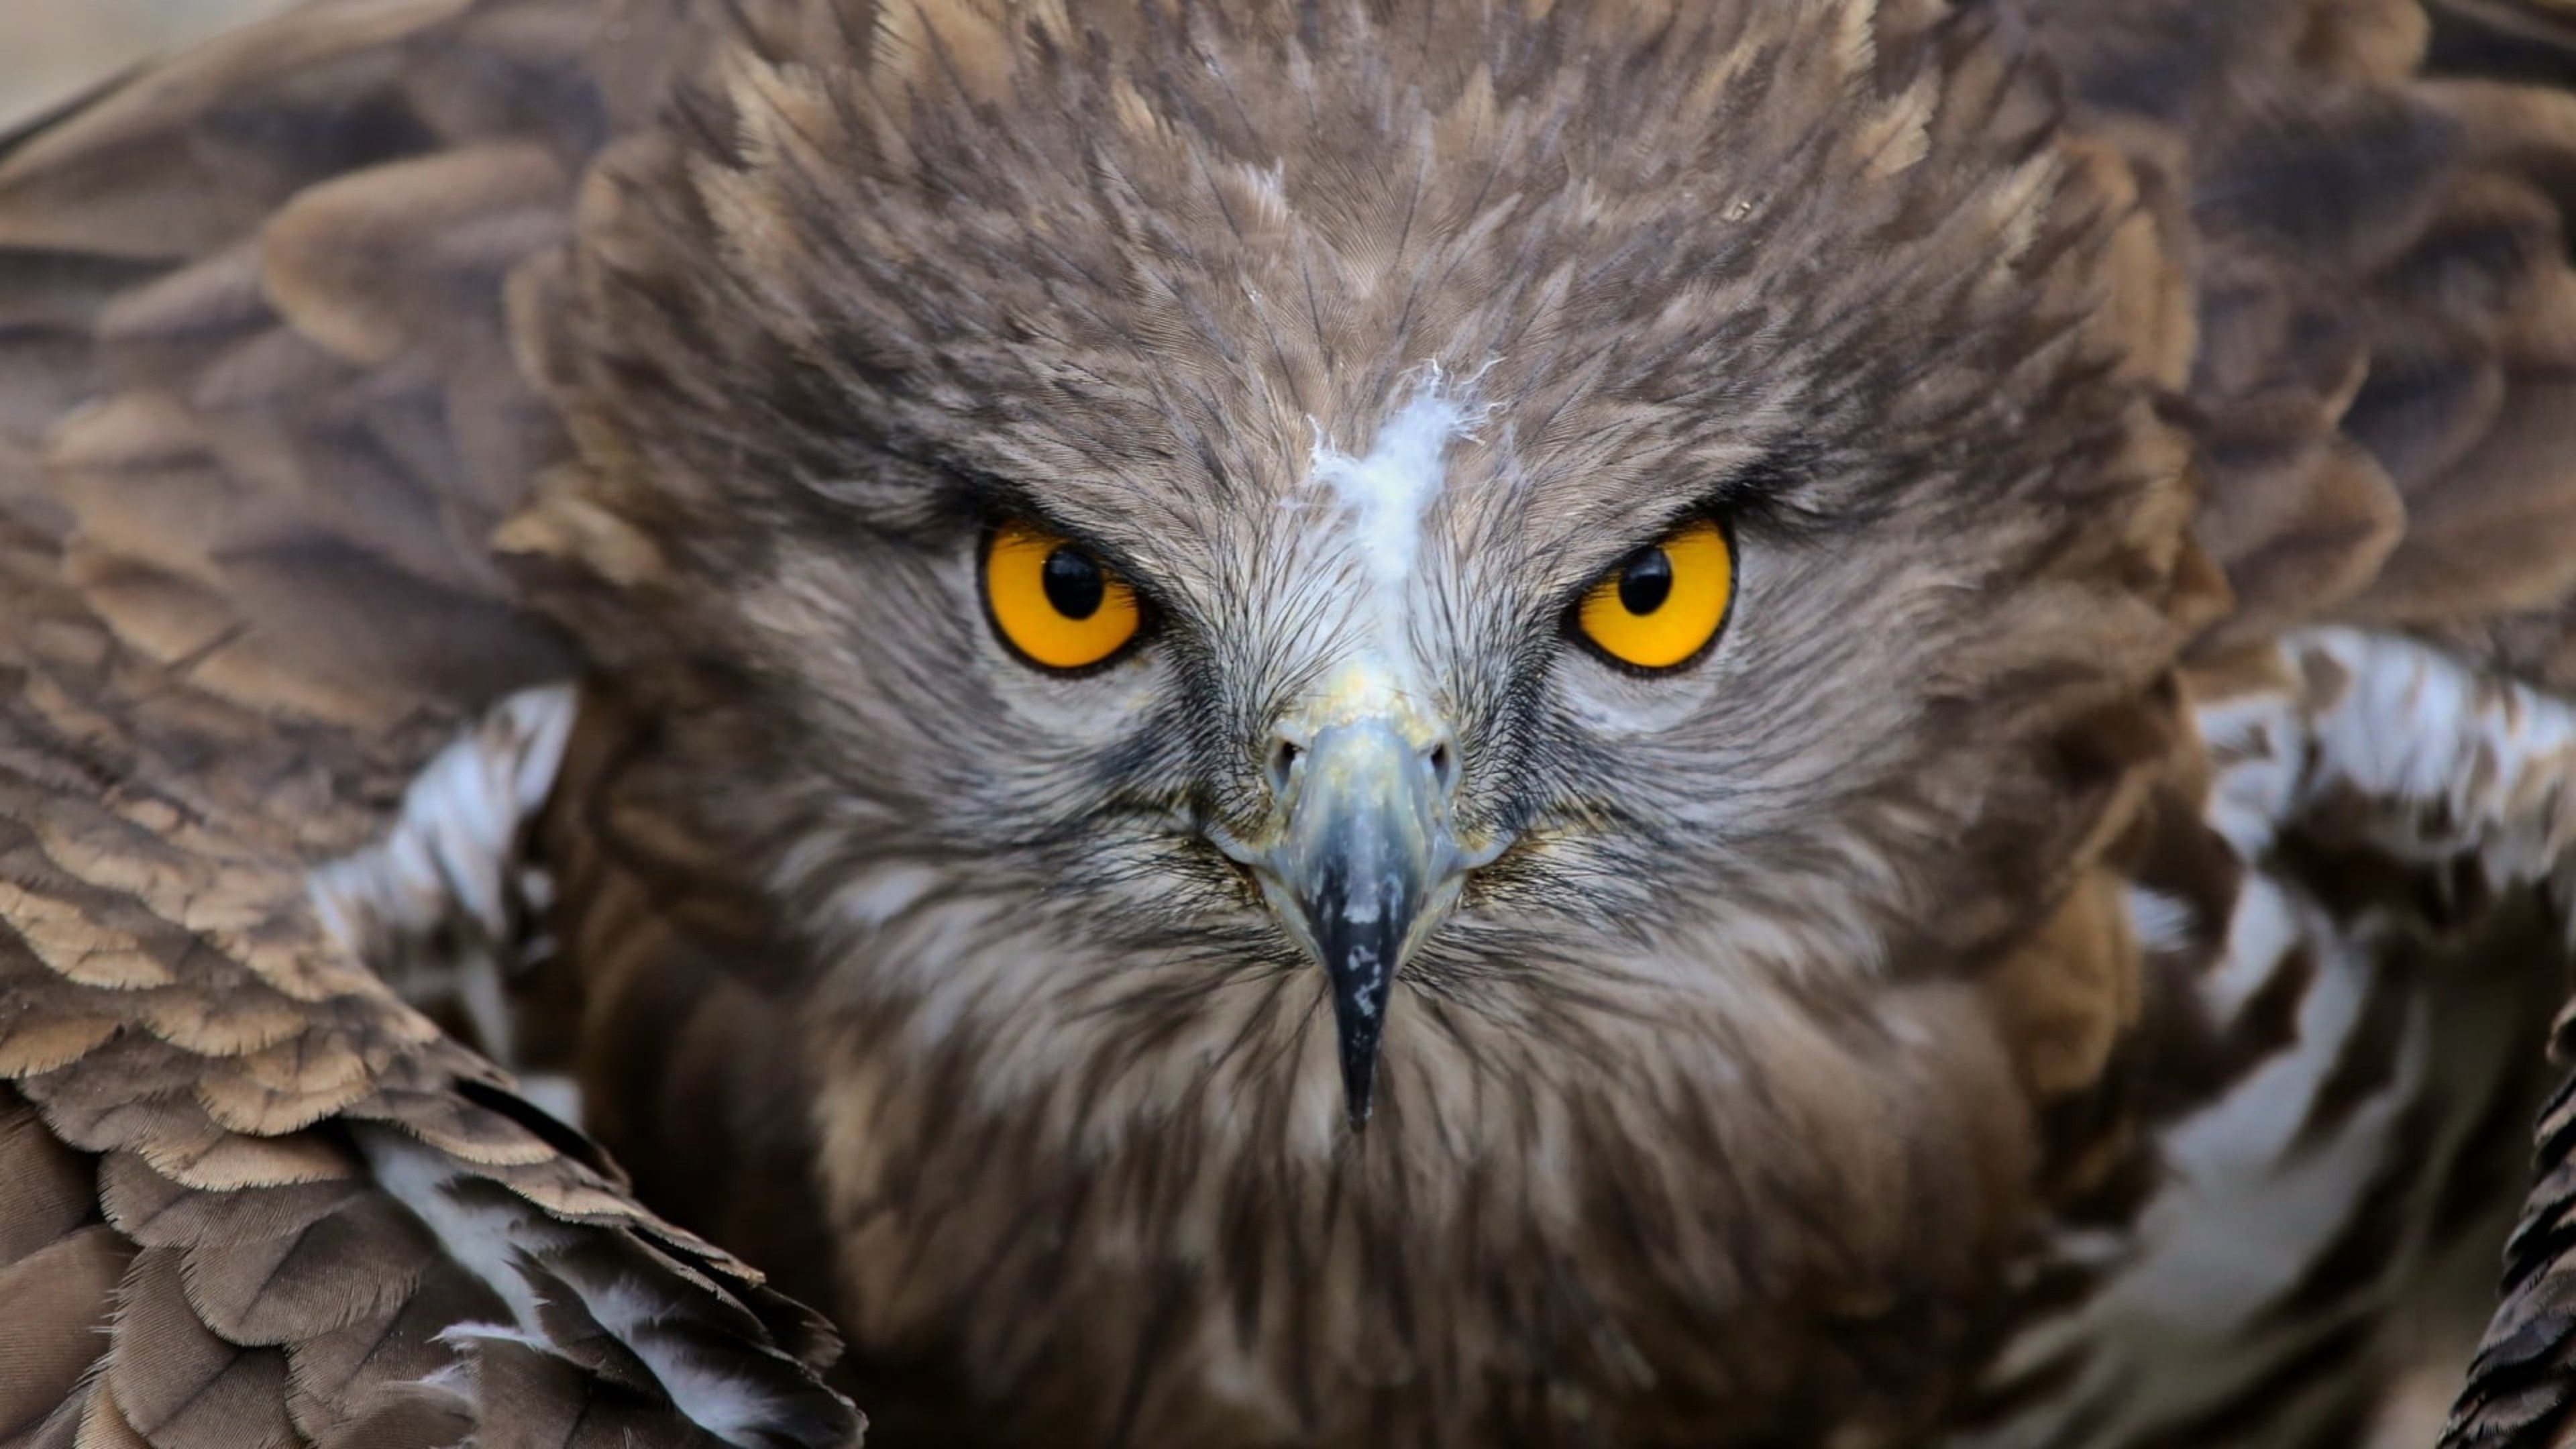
[1733, 723]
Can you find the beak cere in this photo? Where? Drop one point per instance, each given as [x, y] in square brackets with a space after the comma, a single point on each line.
[1364, 868]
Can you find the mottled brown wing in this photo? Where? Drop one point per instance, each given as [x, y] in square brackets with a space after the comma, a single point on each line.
[2372, 198]
[259, 416]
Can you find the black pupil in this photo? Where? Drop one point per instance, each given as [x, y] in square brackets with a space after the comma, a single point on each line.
[1645, 582]
[1073, 583]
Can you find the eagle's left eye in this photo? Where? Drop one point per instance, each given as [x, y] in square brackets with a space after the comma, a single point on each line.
[1055, 603]
[1663, 604]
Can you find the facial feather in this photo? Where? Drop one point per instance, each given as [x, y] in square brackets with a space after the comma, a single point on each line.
[1146, 275]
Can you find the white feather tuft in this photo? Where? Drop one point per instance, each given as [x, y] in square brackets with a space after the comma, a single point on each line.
[1385, 495]
[453, 858]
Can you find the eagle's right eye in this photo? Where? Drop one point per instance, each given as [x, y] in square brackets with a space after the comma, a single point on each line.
[1053, 602]
[1664, 604]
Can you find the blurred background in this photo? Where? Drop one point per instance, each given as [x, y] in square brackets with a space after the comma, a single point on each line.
[51, 49]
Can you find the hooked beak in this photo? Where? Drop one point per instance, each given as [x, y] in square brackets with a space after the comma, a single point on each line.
[1362, 870]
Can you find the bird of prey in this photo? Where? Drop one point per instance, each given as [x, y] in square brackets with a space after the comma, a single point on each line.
[1339, 722]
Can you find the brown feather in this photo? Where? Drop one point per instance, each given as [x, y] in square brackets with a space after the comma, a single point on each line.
[251, 593]
[59, 1267]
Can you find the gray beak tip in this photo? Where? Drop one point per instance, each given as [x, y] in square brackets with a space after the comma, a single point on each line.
[1365, 848]
[1359, 1015]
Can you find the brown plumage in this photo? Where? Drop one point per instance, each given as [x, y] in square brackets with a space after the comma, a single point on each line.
[493, 496]
[246, 479]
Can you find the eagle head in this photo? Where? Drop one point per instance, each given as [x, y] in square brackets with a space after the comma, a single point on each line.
[1570, 576]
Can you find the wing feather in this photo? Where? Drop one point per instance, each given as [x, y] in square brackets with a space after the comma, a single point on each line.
[2373, 198]
[260, 416]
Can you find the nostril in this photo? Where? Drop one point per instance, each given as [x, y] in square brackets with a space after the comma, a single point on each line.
[1283, 764]
[1444, 766]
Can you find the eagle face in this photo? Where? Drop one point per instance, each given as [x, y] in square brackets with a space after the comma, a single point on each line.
[1551, 576]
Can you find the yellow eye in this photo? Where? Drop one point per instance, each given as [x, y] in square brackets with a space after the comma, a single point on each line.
[1663, 604]
[1053, 602]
